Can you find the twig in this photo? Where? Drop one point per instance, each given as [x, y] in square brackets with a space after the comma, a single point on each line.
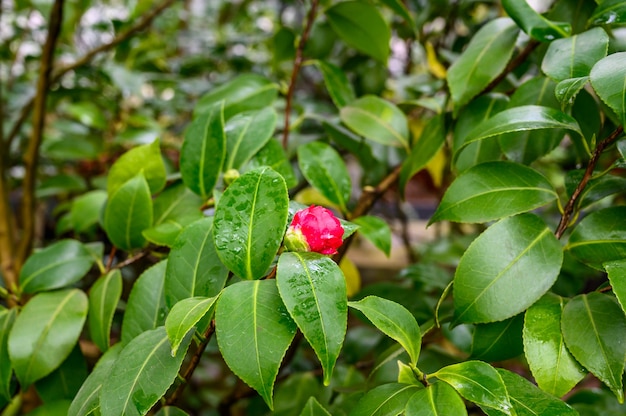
[571, 204]
[297, 64]
[131, 260]
[514, 63]
[31, 159]
[58, 73]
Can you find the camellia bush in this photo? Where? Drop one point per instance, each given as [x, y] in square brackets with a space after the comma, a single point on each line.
[180, 183]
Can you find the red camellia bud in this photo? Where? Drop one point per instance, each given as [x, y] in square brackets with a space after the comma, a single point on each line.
[314, 229]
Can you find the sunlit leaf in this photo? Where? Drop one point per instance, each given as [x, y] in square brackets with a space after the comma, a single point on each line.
[103, 298]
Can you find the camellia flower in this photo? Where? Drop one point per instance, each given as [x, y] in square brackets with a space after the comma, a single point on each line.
[314, 229]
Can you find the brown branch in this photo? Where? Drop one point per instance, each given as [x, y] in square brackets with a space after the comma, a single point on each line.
[514, 63]
[571, 204]
[58, 73]
[31, 158]
[297, 64]
[130, 260]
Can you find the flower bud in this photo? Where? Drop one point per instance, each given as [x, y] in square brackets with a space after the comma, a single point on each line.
[314, 229]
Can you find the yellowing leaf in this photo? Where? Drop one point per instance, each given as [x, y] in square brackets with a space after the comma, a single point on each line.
[352, 275]
[434, 66]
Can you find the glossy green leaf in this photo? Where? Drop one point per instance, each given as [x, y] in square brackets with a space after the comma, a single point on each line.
[474, 113]
[533, 23]
[385, 400]
[86, 210]
[246, 134]
[528, 400]
[143, 372]
[145, 308]
[361, 26]
[377, 120]
[609, 12]
[243, 93]
[596, 188]
[253, 333]
[438, 399]
[394, 320]
[193, 268]
[250, 221]
[326, 171]
[57, 407]
[294, 392]
[594, 328]
[128, 212]
[87, 399]
[165, 233]
[478, 382]
[494, 190]
[64, 382]
[527, 117]
[608, 79]
[567, 90]
[337, 83]
[498, 341]
[45, 332]
[273, 155]
[552, 365]
[103, 298]
[184, 316]
[506, 269]
[600, 237]
[314, 408]
[58, 265]
[176, 202]
[428, 144]
[575, 56]
[401, 10]
[204, 150]
[7, 318]
[482, 61]
[376, 230]
[616, 271]
[171, 411]
[147, 159]
[314, 291]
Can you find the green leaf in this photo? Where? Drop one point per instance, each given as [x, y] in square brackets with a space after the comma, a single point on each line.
[253, 333]
[314, 408]
[64, 382]
[326, 171]
[616, 271]
[88, 113]
[361, 26]
[193, 268]
[146, 159]
[600, 237]
[401, 10]
[243, 93]
[596, 188]
[246, 133]
[204, 150]
[608, 79]
[103, 298]
[60, 184]
[128, 212]
[184, 316]
[506, 269]
[385, 400]
[45, 332]
[574, 57]
[7, 318]
[86, 210]
[534, 24]
[377, 120]
[474, 113]
[609, 12]
[438, 399]
[482, 61]
[552, 365]
[376, 230]
[528, 400]
[478, 382]
[143, 372]
[567, 90]
[498, 341]
[176, 202]
[57, 407]
[250, 221]
[594, 328]
[395, 321]
[314, 291]
[58, 265]
[523, 118]
[337, 83]
[431, 140]
[171, 411]
[493, 190]
[87, 399]
[145, 308]
[273, 155]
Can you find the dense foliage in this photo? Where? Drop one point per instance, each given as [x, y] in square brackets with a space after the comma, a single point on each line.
[159, 254]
